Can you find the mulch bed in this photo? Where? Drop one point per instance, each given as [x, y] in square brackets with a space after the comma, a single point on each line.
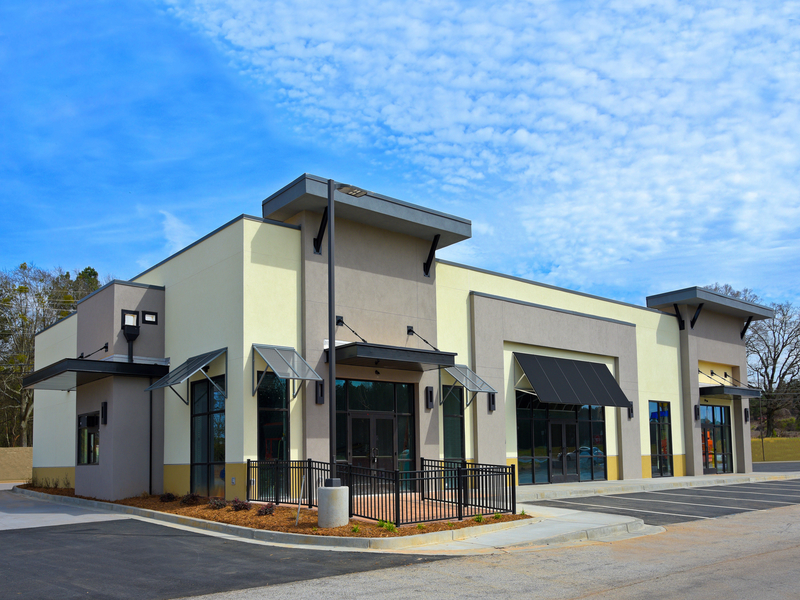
[284, 517]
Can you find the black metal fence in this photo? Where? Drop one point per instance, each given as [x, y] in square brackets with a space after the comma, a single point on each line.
[442, 490]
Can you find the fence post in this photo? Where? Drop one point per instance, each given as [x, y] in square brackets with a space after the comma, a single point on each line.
[460, 488]
[248, 480]
[397, 497]
[513, 489]
[309, 478]
[422, 482]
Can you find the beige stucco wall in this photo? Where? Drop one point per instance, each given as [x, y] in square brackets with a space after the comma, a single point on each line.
[237, 287]
[54, 425]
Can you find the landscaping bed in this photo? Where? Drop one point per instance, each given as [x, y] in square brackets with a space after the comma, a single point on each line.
[283, 517]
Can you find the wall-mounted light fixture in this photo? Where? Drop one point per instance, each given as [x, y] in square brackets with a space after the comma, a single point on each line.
[630, 410]
[130, 329]
[696, 412]
[429, 397]
[104, 413]
[320, 392]
[492, 401]
[149, 317]
[746, 415]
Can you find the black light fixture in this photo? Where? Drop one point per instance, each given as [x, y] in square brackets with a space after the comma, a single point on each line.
[130, 329]
[320, 395]
[429, 397]
[630, 410]
[104, 413]
[746, 415]
[492, 401]
[696, 412]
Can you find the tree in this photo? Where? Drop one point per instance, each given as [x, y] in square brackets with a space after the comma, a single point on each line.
[773, 354]
[31, 299]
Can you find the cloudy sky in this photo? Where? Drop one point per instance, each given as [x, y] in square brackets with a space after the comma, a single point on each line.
[618, 148]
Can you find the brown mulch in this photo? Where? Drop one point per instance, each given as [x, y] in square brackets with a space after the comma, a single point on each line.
[284, 517]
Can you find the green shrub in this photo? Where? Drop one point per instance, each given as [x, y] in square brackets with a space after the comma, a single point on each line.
[238, 505]
[420, 526]
[390, 527]
[497, 515]
[168, 497]
[217, 503]
[190, 499]
[354, 529]
[266, 509]
[478, 518]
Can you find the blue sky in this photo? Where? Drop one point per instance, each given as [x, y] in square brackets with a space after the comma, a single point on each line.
[617, 148]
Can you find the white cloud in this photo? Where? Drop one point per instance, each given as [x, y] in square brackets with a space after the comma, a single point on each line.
[631, 141]
[178, 234]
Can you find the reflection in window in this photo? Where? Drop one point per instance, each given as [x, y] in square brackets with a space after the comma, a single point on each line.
[89, 439]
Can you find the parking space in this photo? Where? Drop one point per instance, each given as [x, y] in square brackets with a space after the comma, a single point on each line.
[776, 467]
[665, 507]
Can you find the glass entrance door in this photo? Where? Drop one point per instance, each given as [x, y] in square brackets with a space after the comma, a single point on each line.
[372, 443]
[716, 439]
[563, 452]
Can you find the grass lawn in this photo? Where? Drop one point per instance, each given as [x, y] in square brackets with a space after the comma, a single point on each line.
[776, 449]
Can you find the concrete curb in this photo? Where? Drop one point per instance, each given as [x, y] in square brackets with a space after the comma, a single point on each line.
[526, 496]
[278, 537]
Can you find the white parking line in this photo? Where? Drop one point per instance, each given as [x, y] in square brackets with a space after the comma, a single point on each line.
[680, 502]
[719, 497]
[765, 493]
[652, 512]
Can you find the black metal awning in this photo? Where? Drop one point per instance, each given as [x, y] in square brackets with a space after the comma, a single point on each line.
[361, 354]
[565, 381]
[69, 373]
[729, 390]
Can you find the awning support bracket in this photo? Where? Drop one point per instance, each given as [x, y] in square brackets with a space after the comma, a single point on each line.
[746, 326]
[321, 232]
[696, 314]
[426, 266]
[185, 401]
[681, 324]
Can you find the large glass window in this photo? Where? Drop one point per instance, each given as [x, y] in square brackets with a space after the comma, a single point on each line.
[557, 443]
[208, 438]
[375, 424]
[715, 423]
[453, 416]
[660, 439]
[273, 418]
[89, 439]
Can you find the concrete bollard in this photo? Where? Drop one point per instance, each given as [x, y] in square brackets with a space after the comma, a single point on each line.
[334, 509]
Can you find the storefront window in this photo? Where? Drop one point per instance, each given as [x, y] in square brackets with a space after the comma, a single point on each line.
[660, 439]
[89, 439]
[208, 438]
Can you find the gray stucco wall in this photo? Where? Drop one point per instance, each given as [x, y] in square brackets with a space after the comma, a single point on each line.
[498, 320]
[380, 289]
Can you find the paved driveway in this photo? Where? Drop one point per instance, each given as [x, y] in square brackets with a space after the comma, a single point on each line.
[130, 558]
[665, 507]
[776, 467]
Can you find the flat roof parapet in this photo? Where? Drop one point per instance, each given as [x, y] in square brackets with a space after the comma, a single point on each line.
[309, 192]
[713, 301]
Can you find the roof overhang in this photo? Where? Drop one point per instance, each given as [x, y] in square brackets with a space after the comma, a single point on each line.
[728, 391]
[69, 373]
[377, 356]
[713, 301]
[565, 381]
[309, 192]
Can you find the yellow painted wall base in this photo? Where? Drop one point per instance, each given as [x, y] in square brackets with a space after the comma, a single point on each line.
[613, 468]
[513, 461]
[47, 475]
[177, 479]
[238, 472]
[647, 467]
[679, 465]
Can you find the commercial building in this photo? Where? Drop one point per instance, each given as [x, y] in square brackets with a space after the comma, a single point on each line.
[174, 379]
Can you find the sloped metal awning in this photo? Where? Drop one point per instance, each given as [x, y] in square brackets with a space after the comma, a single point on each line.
[189, 368]
[67, 374]
[565, 381]
[469, 380]
[285, 362]
[363, 354]
[727, 391]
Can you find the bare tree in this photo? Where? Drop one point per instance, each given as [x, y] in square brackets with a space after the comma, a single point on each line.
[773, 354]
[31, 299]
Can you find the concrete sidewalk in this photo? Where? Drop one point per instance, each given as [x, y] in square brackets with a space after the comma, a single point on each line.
[532, 493]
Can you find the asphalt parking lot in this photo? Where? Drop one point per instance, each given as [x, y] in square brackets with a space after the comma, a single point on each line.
[665, 507]
[132, 559]
[776, 467]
